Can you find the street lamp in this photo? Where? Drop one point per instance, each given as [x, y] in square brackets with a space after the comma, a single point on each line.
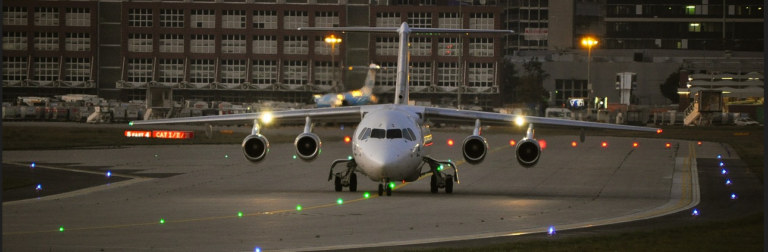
[589, 42]
[333, 41]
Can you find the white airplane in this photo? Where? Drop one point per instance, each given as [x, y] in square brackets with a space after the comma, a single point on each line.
[392, 141]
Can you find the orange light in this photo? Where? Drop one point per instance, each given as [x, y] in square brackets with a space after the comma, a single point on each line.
[667, 145]
[543, 144]
[450, 142]
[573, 143]
[634, 144]
[512, 143]
[658, 131]
[699, 143]
[347, 139]
[604, 144]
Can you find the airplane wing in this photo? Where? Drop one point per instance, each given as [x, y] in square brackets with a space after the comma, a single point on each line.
[340, 114]
[488, 118]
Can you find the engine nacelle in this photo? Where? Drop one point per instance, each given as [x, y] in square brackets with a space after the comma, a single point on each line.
[474, 149]
[528, 152]
[307, 146]
[255, 148]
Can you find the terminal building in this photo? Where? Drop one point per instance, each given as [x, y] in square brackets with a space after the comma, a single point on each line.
[250, 50]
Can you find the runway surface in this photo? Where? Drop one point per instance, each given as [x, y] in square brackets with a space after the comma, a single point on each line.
[198, 191]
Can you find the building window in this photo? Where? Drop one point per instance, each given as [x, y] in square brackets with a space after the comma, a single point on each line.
[420, 19]
[46, 41]
[140, 17]
[14, 69]
[567, 89]
[264, 72]
[295, 72]
[265, 44]
[448, 74]
[324, 72]
[448, 47]
[324, 48]
[449, 20]
[481, 21]
[295, 45]
[15, 15]
[203, 19]
[480, 74]
[77, 69]
[694, 27]
[326, 19]
[387, 74]
[47, 16]
[233, 71]
[172, 43]
[388, 19]
[202, 44]
[46, 69]
[202, 71]
[78, 17]
[139, 70]
[139, 42]
[232, 43]
[386, 45]
[80, 42]
[15, 41]
[421, 46]
[482, 47]
[421, 73]
[233, 19]
[265, 20]
[295, 19]
[171, 71]
[172, 18]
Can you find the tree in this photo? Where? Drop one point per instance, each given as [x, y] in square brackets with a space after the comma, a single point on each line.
[509, 82]
[531, 87]
[669, 87]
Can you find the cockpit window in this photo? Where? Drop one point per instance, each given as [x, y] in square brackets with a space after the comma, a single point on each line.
[362, 133]
[410, 132]
[394, 133]
[378, 133]
[367, 133]
[406, 135]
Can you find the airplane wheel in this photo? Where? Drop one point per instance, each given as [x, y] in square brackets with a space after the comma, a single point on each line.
[337, 184]
[389, 190]
[381, 189]
[448, 184]
[433, 184]
[353, 183]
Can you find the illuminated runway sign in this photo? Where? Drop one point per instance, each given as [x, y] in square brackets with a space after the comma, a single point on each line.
[171, 134]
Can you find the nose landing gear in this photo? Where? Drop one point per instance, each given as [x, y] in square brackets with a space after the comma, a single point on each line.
[346, 178]
[385, 185]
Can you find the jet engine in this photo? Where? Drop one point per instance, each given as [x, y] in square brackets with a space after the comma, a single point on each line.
[307, 146]
[528, 151]
[474, 149]
[255, 147]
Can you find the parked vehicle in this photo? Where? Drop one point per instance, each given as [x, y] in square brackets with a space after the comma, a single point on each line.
[746, 121]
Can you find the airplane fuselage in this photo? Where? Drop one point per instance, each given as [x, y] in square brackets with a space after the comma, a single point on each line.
[389, 143]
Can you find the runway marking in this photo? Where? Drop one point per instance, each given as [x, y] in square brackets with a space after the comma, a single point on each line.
[74, 170]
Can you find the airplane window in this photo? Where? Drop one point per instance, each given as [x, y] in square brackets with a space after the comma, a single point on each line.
[406, 135]
[362, 133]
[410, 132]
[378, 133]
[367, 133]
[394, 133]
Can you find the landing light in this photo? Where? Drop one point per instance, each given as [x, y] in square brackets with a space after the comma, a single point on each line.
[519, 120]
[450, 142]
[266, 118]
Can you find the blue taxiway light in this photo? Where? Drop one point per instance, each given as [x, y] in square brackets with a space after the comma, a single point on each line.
[724, 171]
[733, 196]
[728, 182]
[32, 165]
[39, 187]
[695, 212]
[721, 164]
[257, 249]
[719, 157]
[109, 174]
[551, 231]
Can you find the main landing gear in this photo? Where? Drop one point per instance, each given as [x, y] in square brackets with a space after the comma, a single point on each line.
[346, 178]
[439, 179]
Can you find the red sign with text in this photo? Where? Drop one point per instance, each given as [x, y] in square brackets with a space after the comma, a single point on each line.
[168, 134]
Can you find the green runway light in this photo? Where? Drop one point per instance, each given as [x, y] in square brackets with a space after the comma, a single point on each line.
[349, 157]
[366, 195]
[155, 155]
[440, 168]
[449, 160]
[239, 214]
[162, 221]
[298, 207]
[61, 229]
[130, 123]
[226, 156]
[339, 201]
[294, 156]
[392, 185]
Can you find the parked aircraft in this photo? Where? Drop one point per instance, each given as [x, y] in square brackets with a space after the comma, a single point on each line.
[392, 141]
[362, 96]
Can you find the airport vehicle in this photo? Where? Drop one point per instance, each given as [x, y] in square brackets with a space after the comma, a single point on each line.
[392, 141]
[745, 121]
[362, 96]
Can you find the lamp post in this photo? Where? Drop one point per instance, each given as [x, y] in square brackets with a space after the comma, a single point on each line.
[333, 41]
[589, 42]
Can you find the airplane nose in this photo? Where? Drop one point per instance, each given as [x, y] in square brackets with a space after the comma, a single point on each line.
[387, 160]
